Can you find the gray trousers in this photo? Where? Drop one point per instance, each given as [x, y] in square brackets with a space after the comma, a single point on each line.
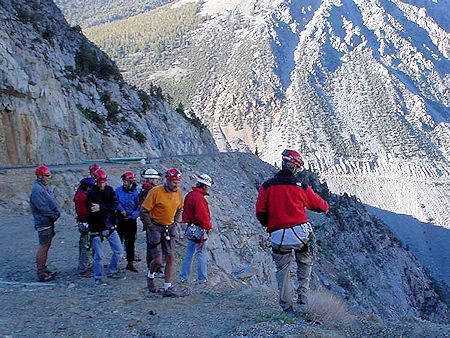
[282, 259]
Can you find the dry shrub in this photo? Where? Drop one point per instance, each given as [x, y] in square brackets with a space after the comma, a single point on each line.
[326, 308]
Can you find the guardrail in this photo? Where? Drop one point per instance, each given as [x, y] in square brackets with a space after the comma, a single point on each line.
[116, 159]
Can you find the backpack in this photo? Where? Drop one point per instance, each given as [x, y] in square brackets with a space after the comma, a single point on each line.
[80, 205]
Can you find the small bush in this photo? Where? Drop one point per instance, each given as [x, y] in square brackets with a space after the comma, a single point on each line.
[77, 28]
[23, 15]
[111, 106]
[328, 309]
[344, 282]
[145, 98]
[156, 91]
[93, 116]
[48, 34]
[129, 132]
[88, 62]
[85, 60]
[140, 137]
[180, 110]
[136, 135]
[107, 70]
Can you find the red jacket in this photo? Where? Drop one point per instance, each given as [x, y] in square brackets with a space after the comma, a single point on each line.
[80, 205]
[196, 209]
[282, 201]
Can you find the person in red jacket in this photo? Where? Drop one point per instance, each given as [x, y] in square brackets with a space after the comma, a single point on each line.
[280, 207]
[196, 215]
[84, 247]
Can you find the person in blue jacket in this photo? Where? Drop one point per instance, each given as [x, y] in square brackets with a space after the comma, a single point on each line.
[128, 211]
[46, 212]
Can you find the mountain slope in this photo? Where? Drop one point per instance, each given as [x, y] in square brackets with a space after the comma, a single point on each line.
[62, 100]
[94, 12]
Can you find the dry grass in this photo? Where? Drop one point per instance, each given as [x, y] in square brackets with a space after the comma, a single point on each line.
[326, 308]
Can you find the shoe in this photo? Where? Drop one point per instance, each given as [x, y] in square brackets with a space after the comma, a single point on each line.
[202, 282]
[99, 282]
[131, 267]
[52, 273]
[137, 259]
[113, 275]
[182, 280]
[86, 274]
[44, 276]
[151, 285]
[170, 293]
[290, 312]
[302, 300]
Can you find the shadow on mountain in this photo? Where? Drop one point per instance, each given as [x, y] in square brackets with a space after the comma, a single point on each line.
[429, 242]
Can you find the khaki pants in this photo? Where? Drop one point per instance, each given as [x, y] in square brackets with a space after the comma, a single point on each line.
[282, 259]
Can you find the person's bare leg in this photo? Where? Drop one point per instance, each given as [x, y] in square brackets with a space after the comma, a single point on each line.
[168, 270]
[41, 256]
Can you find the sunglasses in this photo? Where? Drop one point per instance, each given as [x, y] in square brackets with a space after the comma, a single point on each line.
[47, 175]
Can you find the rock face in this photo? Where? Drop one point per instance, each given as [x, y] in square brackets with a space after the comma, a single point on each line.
[63, 100]
[360, 260]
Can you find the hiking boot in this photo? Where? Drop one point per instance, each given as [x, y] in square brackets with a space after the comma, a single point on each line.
[170, 293]
[43, 276]
[52, 273]
[99, 282]
[131, 267]
[151, 285]
[113, 275]
[290, 312]
[86, 274]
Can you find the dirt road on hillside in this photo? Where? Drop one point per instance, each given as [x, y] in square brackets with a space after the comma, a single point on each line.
[73, 306]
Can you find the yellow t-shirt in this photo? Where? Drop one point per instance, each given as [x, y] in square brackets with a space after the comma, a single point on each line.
[162, 205]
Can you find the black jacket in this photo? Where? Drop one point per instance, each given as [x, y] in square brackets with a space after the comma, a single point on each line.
[106, 217]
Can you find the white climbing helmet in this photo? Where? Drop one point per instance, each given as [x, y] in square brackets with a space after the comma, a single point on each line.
[150, 173]
[205, 179]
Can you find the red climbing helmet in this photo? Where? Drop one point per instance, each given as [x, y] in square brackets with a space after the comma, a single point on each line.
[128, 176]
[173, 174]
[293, 157]
[93, 167]
[100, 175]
[42, 170]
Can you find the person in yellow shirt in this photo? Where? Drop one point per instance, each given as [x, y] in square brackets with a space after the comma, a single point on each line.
[160, 211]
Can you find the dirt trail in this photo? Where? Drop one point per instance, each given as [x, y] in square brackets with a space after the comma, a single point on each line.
[73, 306]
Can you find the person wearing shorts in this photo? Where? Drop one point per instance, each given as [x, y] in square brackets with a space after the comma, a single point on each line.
[45, 211]
[160, 211]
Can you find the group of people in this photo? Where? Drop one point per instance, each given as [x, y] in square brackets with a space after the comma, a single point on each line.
[105, 213]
